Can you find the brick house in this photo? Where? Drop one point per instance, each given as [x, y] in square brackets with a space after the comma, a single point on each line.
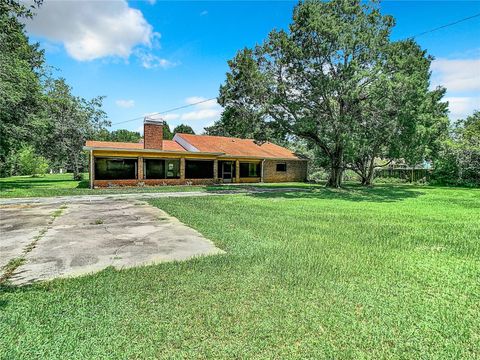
[190, 159]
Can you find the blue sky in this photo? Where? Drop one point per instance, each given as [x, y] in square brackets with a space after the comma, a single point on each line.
[149, 56]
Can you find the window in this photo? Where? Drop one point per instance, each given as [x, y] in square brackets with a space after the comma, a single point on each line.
[161, 169]
[281, 167]
[115, 169]
[198, 169]
[250, 170]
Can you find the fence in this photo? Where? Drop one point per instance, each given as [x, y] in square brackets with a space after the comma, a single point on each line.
[406, 174]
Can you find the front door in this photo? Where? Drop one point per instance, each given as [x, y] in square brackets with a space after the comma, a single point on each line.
[227, 171]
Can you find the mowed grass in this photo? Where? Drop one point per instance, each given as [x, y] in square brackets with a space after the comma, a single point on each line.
[64, 185]
[388, 272]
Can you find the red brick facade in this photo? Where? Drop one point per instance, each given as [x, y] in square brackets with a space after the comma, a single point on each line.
[153, 135]
[295, 171]
[151, 182]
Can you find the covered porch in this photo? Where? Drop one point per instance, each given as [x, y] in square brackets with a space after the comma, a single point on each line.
[107, 169]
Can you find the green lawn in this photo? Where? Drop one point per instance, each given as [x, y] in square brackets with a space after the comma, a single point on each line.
[388, 272]
[63, 185]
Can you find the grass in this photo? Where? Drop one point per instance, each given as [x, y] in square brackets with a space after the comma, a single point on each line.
[388, 272]
[7, 270]
[64, 185]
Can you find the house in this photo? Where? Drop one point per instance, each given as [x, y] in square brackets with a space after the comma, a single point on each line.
[190, 159]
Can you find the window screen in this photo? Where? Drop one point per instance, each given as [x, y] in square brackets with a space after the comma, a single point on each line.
[172, 169]
[250, 169]
[162, 169]
[198, 169]
[115, 169]
[282, 167]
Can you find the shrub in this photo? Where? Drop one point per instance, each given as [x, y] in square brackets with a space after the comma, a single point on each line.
[30, 163]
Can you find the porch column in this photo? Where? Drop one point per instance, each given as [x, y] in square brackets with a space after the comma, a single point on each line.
[140, 175]
[215, 170]
[182, 168]
[92, 169]
[237, 171]
[261, 171]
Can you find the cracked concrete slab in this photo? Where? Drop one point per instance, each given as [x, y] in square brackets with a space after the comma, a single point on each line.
[89, 237]
[19, 224]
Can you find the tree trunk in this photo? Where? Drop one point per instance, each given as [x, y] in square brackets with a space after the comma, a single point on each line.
[367, 179]
[76, 170]
[335, 178]
[336, 170]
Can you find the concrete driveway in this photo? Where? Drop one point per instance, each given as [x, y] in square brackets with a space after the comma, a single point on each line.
[75, 238]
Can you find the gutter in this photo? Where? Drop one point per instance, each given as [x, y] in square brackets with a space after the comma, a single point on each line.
[186, 153]
[150, 151]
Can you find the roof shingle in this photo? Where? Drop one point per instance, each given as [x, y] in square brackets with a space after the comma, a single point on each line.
[237, 147]
[168, 145]
[211, 144]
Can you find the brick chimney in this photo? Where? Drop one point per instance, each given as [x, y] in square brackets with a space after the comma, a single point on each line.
[152, 134]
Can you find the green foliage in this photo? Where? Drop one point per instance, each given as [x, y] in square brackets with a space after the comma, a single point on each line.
[36, 110]
[121, 135]
[338, 82]
[67, 122]
[30, 163]
[458, 162]
[183, 129]
[167, 133]
[21, 65]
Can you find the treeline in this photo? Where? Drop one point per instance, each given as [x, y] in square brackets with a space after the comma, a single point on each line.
[43, 125]
[337, 87]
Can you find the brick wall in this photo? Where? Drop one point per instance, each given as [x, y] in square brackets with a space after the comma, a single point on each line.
[296, 171]
[153, 135]
[151, 182]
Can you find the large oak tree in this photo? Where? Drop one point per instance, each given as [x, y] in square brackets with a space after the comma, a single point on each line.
[332, 80]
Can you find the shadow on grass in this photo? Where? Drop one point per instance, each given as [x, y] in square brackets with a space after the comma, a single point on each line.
[29, 184]
[350, 193]
[83, 184]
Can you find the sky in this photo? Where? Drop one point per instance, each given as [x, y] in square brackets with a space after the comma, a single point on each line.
[150, 56]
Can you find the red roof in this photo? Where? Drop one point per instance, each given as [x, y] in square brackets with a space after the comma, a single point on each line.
[168, 145]
[211, 144]
[237, 147]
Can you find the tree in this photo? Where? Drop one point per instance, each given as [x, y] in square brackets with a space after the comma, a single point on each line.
[21, 66]
[30, 163]
[459, 159]
[183, 129]
[399, 117]
[244, 124]
[69, 122]
[318, 81]
[121, 135]
[167, 133]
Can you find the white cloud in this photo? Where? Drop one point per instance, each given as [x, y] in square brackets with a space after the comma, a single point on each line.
[123, 103]
[208, 109]
[150, 61]
[168, 117]
[93, 29]
[461, 107]
[456, 75]
[204, 103]
[201, 114]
